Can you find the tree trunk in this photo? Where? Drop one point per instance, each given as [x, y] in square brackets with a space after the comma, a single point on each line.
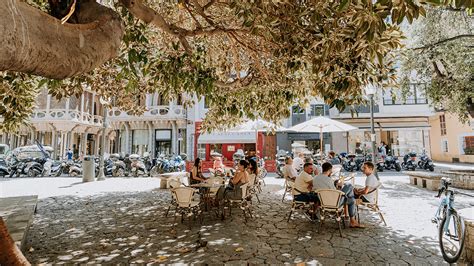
[36, 43]
[10, 254]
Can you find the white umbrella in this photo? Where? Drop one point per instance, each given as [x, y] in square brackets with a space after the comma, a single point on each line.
[322, 125]
[257, 125]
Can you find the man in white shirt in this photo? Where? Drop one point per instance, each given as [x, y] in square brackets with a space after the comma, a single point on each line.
[298, 162]
[289, 172]
[304, 185]
[324, 181]
[371, 183]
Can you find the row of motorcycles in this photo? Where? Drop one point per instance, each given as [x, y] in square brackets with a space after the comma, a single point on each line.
[135, 166]
[353, 162]
[115, 165]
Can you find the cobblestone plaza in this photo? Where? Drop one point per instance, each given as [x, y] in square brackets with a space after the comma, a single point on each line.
[123, 221]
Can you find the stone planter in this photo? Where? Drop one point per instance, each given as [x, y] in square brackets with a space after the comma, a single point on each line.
[426, 180]
[468, 252]
[461, 178]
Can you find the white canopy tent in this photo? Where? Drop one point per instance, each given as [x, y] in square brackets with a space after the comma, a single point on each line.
[322, 125]
[246, 132]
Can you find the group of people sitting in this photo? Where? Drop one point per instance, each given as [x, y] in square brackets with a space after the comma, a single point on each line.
[247, 171]
[310, 180]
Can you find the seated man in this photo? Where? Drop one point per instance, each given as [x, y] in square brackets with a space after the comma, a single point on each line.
[304, 184]
[324, 181]
[315, 167]
[289, 172]
[371, 183]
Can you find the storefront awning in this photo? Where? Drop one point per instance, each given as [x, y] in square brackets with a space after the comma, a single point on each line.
[227, 137]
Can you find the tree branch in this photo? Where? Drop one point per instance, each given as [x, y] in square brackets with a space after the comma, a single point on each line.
[443, 41]
[36, 43]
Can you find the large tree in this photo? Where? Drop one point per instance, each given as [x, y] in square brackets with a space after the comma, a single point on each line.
[442, 55]
[248, 58]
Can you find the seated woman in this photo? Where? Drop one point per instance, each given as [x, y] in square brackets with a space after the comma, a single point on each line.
[196, 172]
[233, 190]
[253, 171]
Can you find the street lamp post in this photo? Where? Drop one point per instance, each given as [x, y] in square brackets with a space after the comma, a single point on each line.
[370, 90]
[101, 176]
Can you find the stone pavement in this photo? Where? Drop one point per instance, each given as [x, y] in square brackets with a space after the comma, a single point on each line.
[130, 227]
[17, 212]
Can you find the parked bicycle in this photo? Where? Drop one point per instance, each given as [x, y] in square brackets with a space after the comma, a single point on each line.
[451, 228]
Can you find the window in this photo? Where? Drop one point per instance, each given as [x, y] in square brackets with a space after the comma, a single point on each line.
[201, 151]
[468, 145]
[296, 110]
[158, 99]
[416, 95]
[318, 110]
[442, 124]
[444, 145]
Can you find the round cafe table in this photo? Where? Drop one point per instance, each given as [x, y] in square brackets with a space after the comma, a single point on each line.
[206, 192]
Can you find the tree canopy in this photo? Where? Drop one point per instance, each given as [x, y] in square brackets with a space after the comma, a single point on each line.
[248, 58]
[442, 56]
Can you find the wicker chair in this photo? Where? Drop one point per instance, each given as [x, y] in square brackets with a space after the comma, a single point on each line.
[371, 206]
[185, 204]
[299, 205]
[330, 200]
[242, 203]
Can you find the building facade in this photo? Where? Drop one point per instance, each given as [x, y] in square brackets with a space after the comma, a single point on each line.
[76, 123]
[451, 140]
[161, 129]
[70, 123]
[402, 124]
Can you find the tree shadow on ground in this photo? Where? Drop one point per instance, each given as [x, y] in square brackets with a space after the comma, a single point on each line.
[132, 228]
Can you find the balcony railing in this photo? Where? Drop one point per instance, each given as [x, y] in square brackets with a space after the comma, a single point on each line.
[66, 115]
[153, 112]
[361, 109]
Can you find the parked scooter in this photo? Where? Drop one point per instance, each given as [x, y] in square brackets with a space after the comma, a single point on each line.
[118, 166]
[75, 169]
[3, 168]
[177, 164]
[392, 163]
[138, 167]
[350, 164]
[425, 162]
[409, 161]
[35, 167]
[280, 162]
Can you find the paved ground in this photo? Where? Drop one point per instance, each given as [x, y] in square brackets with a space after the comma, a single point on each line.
[122, 221]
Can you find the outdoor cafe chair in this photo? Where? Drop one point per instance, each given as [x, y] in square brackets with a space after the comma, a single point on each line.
[185, 205]
[252, 189]
[242, 203]
[299, 205]
[330, 200]
[288, 187]
[371, 206]
[173, 183]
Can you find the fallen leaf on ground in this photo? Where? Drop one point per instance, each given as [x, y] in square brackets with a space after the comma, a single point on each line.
[160, 259]
[239, 249]
[183, 250]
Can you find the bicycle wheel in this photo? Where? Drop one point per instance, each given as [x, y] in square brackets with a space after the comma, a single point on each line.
[451, 240]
